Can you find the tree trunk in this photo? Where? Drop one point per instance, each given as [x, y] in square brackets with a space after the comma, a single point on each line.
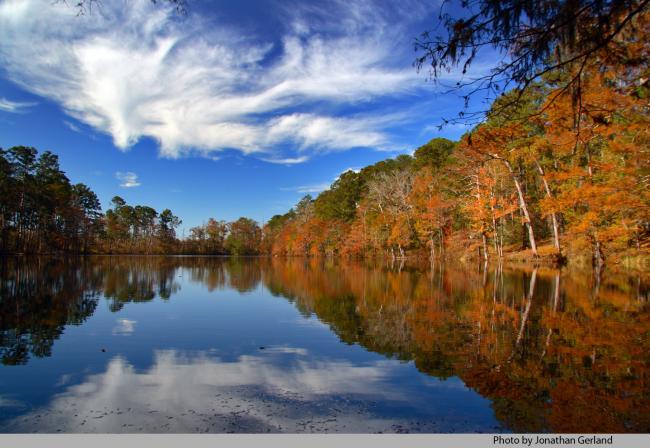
[495, 239]
[484, 238]
[494, 226]
[599, 258]
[524, 208]
[500, 238]
[556, 235]
[526, 312]
[556, 299]
[401, 251]
[485, 249]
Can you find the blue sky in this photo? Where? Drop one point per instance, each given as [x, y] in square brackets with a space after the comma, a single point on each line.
[235, 109]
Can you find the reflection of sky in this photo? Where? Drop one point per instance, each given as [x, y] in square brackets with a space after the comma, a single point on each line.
[220, 360]
[124, 327]
[9, 403]
[279, 389]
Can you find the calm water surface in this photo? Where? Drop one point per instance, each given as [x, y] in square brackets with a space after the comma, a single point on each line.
[189, 344]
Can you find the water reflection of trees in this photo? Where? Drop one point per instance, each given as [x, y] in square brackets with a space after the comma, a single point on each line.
[552, 351]
[40, 296]
[138, 279]
[37, 299]
[240, 273]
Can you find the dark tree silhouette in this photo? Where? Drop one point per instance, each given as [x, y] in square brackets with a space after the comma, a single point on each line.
[535, 39]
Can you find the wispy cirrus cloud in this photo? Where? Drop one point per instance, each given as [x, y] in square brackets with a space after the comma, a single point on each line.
[135, 70]
[73, 127]
[307, 189]
[319, 187]
[15, 107]
[287, 160]
[127, 179]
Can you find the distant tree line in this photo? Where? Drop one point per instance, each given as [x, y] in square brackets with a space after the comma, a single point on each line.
[241, 237]
[41, 211]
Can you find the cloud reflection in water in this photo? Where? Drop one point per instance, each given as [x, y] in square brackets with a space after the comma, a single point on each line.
[276, 391]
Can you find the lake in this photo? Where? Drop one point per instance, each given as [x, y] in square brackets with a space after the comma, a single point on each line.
[200, 344]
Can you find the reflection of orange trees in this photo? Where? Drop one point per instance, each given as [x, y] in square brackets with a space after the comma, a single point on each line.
[602, 342]
[522, 343]
[552, 351]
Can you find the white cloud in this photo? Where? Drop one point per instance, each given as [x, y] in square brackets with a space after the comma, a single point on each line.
[127, 179]
[311, 131]
[135, 70]
[317, 188]
[15, 107]
[124, 327]
[73, 127]
[283, 349]
[287, 160]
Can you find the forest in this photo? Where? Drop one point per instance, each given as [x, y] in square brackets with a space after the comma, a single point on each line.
[532, 188]
[557, 169]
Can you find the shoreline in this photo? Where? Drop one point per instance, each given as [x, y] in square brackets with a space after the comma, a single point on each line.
[521, 259]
